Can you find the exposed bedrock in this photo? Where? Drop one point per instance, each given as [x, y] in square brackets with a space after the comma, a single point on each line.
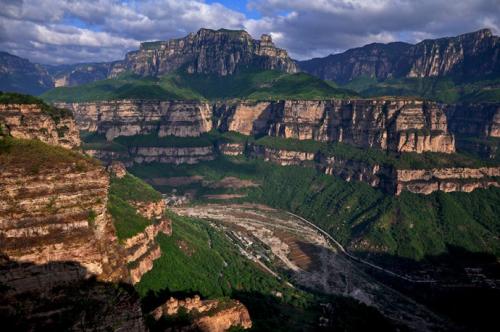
[135, 117]
[394, 125]
[31, 121]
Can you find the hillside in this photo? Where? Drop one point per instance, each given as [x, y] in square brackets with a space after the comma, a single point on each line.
[253, 85]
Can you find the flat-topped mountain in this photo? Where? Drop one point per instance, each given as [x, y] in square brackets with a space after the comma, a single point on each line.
[221, 52]
[474, 54]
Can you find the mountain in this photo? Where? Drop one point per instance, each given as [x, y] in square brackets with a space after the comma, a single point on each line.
[221, 52]
[21, 75]
[471, 55]
[215, 52]
[77, 74]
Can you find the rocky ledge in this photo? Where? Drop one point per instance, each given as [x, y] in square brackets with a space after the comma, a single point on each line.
[207, 315]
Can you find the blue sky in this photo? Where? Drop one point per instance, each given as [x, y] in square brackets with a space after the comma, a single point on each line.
[70, 31]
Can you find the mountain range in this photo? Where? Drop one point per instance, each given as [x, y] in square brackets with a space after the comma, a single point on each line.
[468, 57]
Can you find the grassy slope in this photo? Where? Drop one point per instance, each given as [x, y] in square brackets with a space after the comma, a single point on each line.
[411, 226]
[445, 90]
[179, 86]
[125, 217]
[33, 156]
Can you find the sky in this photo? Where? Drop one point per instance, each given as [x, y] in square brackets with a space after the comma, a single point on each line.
[73, 31]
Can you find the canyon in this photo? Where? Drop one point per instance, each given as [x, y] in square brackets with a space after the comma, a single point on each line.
[59, 244]
[391, 126]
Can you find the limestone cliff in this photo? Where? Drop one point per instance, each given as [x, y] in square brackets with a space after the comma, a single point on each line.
[36, 121]
[399, 125]
[220, 52]
[135, 117]
[447, 179]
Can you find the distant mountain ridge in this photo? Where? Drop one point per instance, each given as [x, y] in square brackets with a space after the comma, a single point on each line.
[471, 55]
[224, 52]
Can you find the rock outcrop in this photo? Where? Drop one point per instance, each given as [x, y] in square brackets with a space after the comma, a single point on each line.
[474, 120]
[447, 179]
[36, 121]
[282, 157]
[207, 315]
[469, 55]
[142, 249]
[220, 52]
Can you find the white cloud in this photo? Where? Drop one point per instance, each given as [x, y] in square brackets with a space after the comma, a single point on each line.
[103, 30]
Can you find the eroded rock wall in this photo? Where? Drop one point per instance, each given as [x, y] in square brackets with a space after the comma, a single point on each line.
[30, 121]
[135, 117]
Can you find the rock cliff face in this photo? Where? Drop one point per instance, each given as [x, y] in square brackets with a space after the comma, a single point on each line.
[31, 121]
[469, 55]
[385, 177]
[212, 315]
[55, 234]
[142, 249]
[393, 125]
[221, 52]
[132, 117]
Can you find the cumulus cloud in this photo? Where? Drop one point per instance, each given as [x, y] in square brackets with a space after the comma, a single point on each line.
[68, 31]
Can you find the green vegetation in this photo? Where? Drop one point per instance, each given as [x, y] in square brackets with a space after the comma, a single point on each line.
[131, 188]
[411, 226]
[371, 156]
[125, 217]
[253, 85]
[198, 258]
[441, 89]
[33, 156]
[18, 98]
[167, 141]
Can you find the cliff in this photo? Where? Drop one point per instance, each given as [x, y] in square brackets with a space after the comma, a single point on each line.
[469, 55]
[207, 315]
[447, 179]
[220, 52]
[135, 117]
[38, 121]
[393, 124]
[56, 235]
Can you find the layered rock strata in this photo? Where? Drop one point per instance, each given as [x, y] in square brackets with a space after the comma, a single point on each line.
[57, 242]
[447, 179]
[135, 117]
[220, 52]
[397, 125]
[32, 121]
